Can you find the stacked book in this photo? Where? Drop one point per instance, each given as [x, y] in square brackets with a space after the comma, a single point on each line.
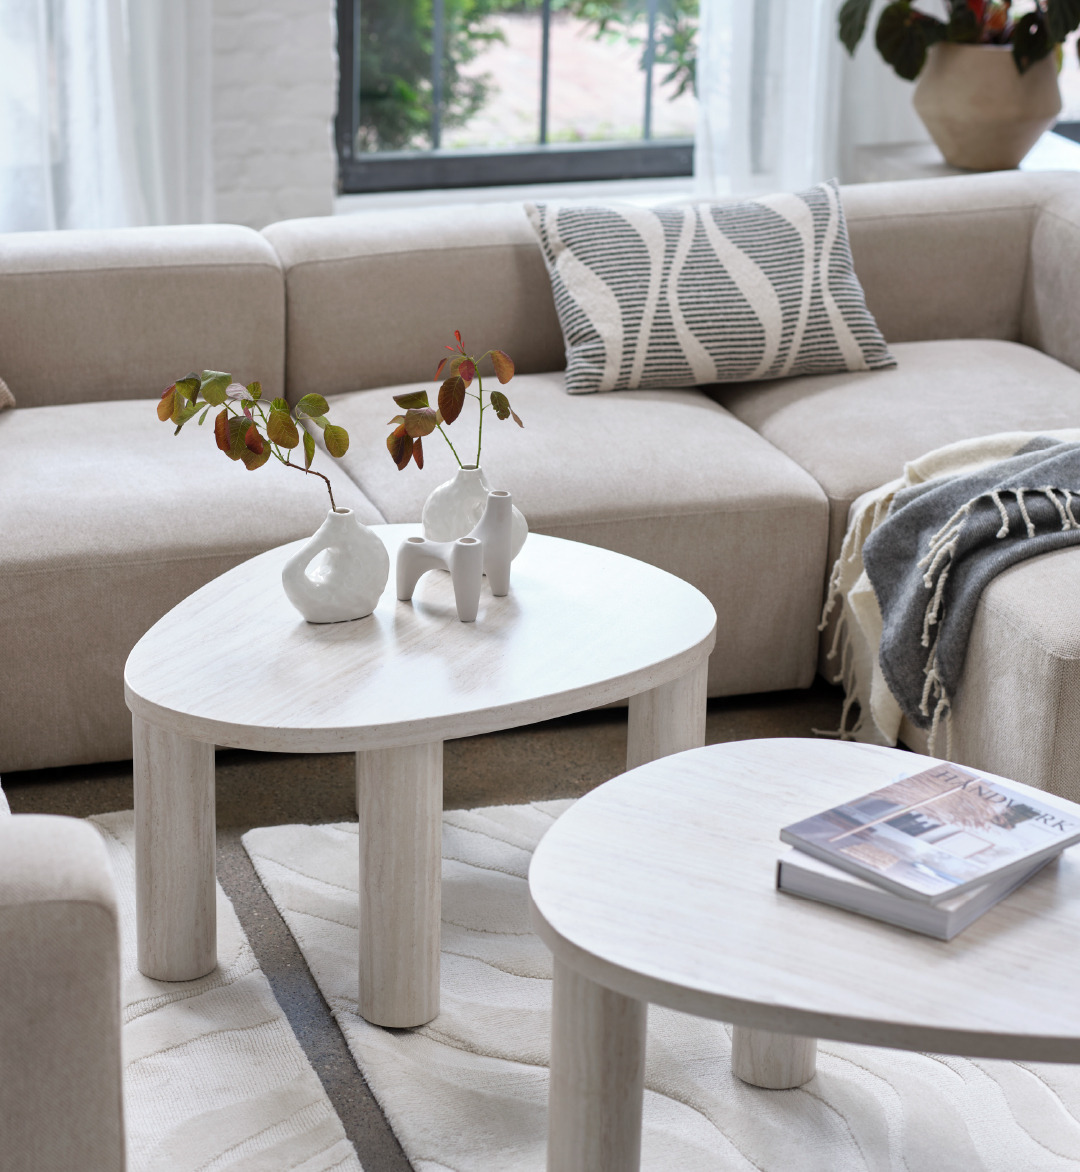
[931, 852]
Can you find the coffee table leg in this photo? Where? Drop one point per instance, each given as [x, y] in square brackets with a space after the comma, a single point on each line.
[175, 890]
[597, 1077]
[777, 1062]
[667, 719]
[399, 801]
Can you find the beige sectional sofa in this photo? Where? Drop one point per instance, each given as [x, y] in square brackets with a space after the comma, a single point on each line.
[107, 520]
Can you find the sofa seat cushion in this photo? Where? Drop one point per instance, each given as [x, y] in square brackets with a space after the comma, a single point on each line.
[853, 432]
[108, 521]
[665, 476]
[1017, 709]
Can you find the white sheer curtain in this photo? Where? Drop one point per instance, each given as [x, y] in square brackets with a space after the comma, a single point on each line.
[104, 113]
[780, 104]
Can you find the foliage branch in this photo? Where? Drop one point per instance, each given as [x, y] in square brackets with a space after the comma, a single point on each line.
[248, 429]
[904, 33]
[406, 441]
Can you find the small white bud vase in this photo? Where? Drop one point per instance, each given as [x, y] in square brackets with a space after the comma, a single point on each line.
[454, 509]
[340, 573]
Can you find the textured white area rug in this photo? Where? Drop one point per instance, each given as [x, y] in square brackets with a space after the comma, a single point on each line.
[214, 1078]
[468, 1092]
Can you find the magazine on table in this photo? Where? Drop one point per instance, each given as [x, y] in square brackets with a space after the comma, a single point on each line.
[802, 874]
[939, 833]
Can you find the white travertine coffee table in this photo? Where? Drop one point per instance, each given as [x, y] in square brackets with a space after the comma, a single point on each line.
[235, 665]
[659, 886]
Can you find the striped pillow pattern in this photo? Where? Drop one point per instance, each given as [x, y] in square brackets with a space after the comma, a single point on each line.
[706, 293]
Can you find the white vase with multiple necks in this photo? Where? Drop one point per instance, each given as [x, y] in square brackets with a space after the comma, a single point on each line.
[454, 509]
[340, 573]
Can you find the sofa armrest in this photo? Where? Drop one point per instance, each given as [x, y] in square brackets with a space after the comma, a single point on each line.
[61, 1101]
[1053, 279]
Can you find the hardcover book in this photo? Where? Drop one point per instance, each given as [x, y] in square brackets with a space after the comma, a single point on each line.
[810, 878]
[938, 833]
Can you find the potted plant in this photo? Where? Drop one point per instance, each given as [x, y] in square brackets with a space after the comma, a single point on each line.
[987, 77]
[352, 562]
[454, 508]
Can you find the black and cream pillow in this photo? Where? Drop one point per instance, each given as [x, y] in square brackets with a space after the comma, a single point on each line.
[703, 293]
[7, 399]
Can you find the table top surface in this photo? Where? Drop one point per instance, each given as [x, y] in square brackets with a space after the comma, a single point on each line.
[660, 884]
[235, 664]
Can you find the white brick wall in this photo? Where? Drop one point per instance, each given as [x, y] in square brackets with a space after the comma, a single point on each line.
[274, 99]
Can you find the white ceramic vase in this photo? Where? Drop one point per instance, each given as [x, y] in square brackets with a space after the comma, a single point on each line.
[340, 573]
[454, 509]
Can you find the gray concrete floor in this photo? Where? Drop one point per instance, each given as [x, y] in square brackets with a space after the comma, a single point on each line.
[558, 759]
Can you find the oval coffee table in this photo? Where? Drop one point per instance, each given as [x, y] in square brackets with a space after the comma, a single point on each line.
[235, 665]
[659, 886]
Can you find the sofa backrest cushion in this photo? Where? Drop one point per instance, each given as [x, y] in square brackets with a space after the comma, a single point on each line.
[372, 297]
[946, 258]
[121, 313]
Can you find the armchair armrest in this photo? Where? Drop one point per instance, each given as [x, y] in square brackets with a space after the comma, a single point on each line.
[1053, 278]
[61, 1103]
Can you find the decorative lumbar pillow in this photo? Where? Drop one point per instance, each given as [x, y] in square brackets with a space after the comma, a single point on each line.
[703, 293]
[7, 399]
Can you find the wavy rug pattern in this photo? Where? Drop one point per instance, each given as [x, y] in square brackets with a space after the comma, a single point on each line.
[214, 1078]
[468, 1092]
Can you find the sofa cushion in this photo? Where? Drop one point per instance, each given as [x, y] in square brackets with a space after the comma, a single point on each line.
[119, 313]
[702, 293]
[108, 521]
[665, 476]
[852, 432]
[1015, 712]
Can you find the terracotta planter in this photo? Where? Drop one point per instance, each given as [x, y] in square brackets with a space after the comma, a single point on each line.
[980, 111]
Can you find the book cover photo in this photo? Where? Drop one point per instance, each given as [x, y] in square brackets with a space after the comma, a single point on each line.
[937, 833]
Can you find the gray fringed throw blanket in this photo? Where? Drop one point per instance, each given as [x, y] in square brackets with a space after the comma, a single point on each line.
[929, 544]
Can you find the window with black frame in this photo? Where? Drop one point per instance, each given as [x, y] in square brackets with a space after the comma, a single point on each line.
[469, 93]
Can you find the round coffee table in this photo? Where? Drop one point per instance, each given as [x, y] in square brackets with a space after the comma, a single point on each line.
[235, 665]
[659, 886]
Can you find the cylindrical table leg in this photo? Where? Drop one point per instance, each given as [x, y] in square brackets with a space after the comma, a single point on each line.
[777, 1062]
[399, 800]
[175, 890]
[667, 719]
[597, 1077]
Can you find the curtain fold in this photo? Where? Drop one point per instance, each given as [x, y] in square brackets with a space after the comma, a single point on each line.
[104, 113]
[781, 106]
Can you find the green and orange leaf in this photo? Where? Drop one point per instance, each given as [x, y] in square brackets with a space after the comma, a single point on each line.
[312, 406]
[466, 370]
[419, 421]
[418, 452]
[412, 399]
[336, 440]
[452, 398]
[309, 449]
[280, 428]
[400, 446]
[212, 384]
[501, 404]
[504, 365]
[165, 403]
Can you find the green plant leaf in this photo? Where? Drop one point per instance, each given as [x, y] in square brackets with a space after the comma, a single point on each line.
[419, 421]
[1062, 17]
[851, 22]
[336, 440]
[1031, 40]
[186, 412]
[451, 398]
[412, 399]
[202, 417]
[279, 405]
[188, 387]
[501, 404]
[504, 365]
[221, 431]
[320, 420]
[255, 389]
[281, 430]
[165, 403]
[252, 459]
[309, 449]
[212, 386]
[903, 36]
[312, 406]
